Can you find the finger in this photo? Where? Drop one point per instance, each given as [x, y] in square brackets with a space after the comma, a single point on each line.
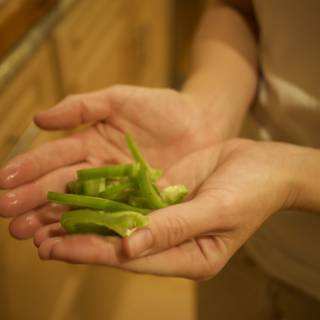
[173, 225]
[190, 259]
[47, 232]
[76, 110]
[34, 194]
[196, 259]
[26, 225]
[41, 160]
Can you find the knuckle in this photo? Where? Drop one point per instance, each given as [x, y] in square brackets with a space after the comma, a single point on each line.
[227, 202]
[117, 91]
[56, 250]
[206, 271]
[177, 227]
[171, 231]
[118, 94]
[118, 88]
[93, 241]
[70, 98]
[97, 252]
[210, 262]
[227, 216]
[171, 92]
[13, 230]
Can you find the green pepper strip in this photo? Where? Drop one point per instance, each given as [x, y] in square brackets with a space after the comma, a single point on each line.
[101, 222]
[93, 187]
[155, 174]
[135, 151]
[115, 171]
[148, 191]
[174, 194]
[75, 187]
[117, 190]
[137, 201]
[92, 202]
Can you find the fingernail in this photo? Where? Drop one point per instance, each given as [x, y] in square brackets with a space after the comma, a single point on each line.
[9, 174]
[7, 202]
[30, 220]
[54, 242]
[11, 199]
[140, 242]
[45, 249]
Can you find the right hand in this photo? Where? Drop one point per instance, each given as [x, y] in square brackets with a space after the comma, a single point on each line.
[235, 188]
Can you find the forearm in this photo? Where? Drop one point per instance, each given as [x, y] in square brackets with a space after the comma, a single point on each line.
[224, 77]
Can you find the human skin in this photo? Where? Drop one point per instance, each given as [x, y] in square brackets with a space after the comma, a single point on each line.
[235, 184]
[167, 124]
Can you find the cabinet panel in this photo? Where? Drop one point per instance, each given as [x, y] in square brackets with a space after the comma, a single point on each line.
[30, 289]
[125, 41]
[95, 54]
[33, 89]
[152, 38]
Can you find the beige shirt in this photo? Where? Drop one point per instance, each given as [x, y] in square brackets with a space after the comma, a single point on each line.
[288, 109]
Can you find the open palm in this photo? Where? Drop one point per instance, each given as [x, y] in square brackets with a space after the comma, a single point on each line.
[235, 189]
[165, 122]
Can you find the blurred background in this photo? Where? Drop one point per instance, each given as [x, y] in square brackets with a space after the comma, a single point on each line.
[52, 48]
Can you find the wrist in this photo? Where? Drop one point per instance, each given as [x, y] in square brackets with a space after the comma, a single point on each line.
[306, 179]
[298, 171]
[207, 122]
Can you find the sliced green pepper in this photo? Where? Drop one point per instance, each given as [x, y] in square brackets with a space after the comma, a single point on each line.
[93, 187]
[114, 171]
[135, 151]
[118, 190]
[98, 188]
[174, 194]
[75, 187]
[101, 222]
[92, 202]
[155, 174]
[148, 190]
[137, 201]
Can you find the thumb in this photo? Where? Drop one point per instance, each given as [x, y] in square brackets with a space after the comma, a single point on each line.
[171, 226]
[77, 109]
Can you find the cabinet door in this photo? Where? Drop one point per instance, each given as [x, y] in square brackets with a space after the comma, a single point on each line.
[106, 42]
[92, 45]
[30, 289]
[151, 25]
[32, 90]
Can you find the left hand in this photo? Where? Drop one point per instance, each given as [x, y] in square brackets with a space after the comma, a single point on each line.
[167, 124]
[236, 186]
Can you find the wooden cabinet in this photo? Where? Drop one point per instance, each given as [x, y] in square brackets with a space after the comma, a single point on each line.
[106, 42]
[152, 37]
[97, 44]
[34, 89]
[92, 44]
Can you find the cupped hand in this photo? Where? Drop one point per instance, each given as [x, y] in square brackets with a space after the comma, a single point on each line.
[235, 187]
[167, 125]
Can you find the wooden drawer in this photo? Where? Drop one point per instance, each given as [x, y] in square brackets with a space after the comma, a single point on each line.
[32, 90]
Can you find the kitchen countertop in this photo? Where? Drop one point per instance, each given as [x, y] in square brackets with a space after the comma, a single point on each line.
[17, 57]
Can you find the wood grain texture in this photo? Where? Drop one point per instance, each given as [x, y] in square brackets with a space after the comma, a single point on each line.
[17, 20]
